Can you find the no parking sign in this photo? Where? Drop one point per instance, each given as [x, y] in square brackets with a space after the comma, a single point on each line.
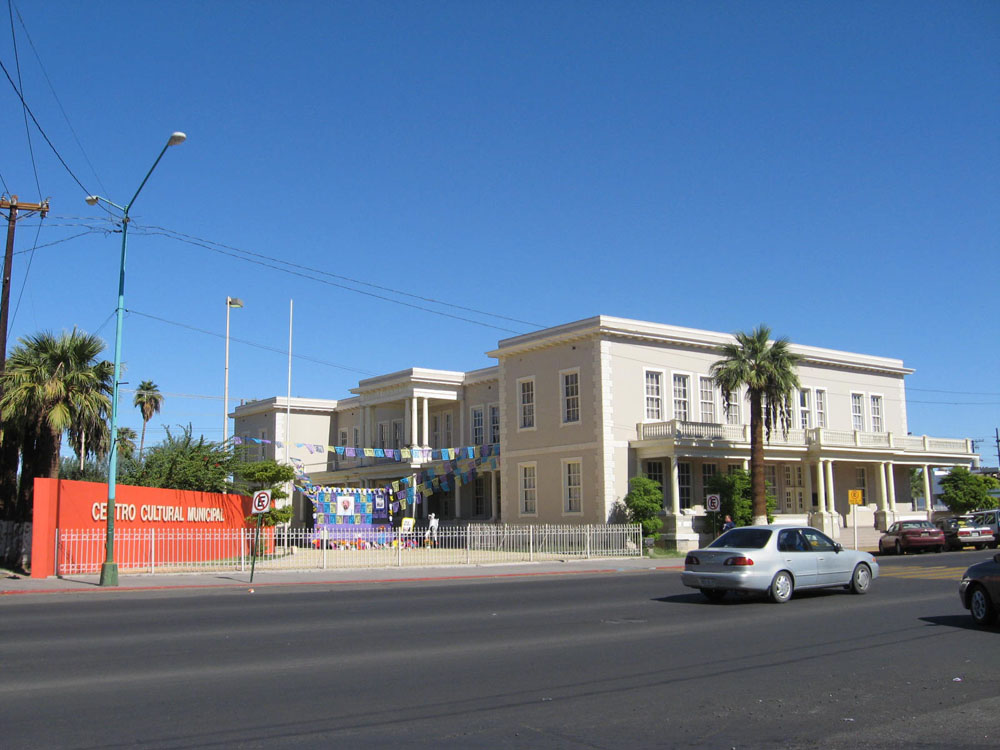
[261, 501]
[713, 502]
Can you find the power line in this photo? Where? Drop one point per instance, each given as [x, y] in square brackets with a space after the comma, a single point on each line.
[249, 257]
[251, 343]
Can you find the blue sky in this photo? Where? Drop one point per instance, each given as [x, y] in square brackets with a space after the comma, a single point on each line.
[830, 169]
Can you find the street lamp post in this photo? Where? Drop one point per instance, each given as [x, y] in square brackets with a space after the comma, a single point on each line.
[231, 302]
[109, 569]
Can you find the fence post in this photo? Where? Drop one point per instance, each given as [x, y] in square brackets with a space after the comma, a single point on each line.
[399, 548]
[468, 553]
[588, 528]
[531, 543]
[152, 551]
[243, 558]
[325, 541]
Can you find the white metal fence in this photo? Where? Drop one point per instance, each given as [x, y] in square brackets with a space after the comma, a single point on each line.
[80, 552]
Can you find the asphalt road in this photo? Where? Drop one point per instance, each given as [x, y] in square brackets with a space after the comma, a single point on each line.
[613, 660]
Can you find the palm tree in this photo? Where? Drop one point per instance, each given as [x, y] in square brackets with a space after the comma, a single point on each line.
[149, 400]
[126, 442]
[49, 382]
[767, 369]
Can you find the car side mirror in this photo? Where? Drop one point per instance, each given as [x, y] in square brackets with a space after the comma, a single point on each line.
[837, 546]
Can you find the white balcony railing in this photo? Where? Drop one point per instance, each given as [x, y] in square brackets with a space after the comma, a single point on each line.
[679, 430]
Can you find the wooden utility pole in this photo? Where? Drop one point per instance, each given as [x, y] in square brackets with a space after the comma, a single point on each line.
[12, 206]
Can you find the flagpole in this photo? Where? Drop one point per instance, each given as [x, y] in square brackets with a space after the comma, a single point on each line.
[288, 400]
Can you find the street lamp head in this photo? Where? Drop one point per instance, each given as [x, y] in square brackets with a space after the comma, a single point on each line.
[91, 200]
[176, 138]
[234, 302]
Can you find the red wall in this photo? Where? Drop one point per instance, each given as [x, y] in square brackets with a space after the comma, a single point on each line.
[70, 505]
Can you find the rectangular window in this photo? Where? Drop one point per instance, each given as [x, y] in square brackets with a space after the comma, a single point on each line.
[572, 486]
[707, 472]
[447, 431]
[877, 424]
[733, 410]
[478, 426]
[654, 395]
[495, 424]
[654, 471]
[733, 468]
[571, 397]
[435, 431]
[526, 401]
[706, 402]
[788, 475]
[397, 434]
[480, 496]
[528, 489]
[681, 410]
[684, 483]
[383, 435]
[820, 408]
[858, 411]
[357, 438]
[343, 437]
[771, 477]
[805, 412]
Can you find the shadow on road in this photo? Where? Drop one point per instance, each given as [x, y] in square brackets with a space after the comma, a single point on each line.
[956, 621]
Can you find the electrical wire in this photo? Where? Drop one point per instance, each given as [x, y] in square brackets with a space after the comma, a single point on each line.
[252, 343]
[20, 90]
[219, 247]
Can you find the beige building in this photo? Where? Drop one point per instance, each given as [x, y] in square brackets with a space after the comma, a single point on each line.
[580, 408]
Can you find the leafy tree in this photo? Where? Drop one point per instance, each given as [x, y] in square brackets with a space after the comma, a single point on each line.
[267, 474]
[149, 400]
[916, 483]
[736, 498]
[50, 382]
[644, 503]
[964, 492]
[767, 369]
[91, 471]
[183, 463]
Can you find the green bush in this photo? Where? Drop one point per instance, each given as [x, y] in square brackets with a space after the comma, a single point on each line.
[644, 503]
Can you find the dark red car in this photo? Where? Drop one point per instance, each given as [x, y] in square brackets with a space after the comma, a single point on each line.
[910, 536]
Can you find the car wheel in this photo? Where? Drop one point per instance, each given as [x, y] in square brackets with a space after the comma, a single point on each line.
[861, 579]
[714, 595]
[980, 547]
[982, 609]
[781, 587]
[899, 548]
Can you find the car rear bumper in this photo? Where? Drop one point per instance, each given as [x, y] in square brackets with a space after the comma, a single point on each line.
[922, 542]
[741, 580]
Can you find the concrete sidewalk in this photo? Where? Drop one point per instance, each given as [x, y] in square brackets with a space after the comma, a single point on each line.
[16, 584]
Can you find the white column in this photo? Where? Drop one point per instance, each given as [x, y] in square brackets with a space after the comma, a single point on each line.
[831, 498]
[675, 487]
[746, 467]
[928, 500]
[407, 423]
[427, 419]
[891, 481]
[820, 486]
[883, 491]
[364, 426]
[414, 424]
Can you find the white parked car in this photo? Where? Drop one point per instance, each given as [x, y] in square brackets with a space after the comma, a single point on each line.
[777, 560]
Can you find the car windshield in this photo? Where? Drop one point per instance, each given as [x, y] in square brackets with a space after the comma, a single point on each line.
[743, 539]
[917, 525]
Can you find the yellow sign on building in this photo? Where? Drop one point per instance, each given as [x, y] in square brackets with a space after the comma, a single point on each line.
[856, 497]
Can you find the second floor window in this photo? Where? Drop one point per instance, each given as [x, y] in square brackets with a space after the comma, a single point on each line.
[571, 397]
[681, 410]
[435, 431]
[877, 424]
[494, 424]
[654, 398]
[858, 412]
[733, 409]
[478, 427]
[805, 414]
[527, 403]
[821, 408]
[706, 400]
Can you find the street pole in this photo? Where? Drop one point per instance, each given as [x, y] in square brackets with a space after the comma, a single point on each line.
[231, 302]
[109, 569]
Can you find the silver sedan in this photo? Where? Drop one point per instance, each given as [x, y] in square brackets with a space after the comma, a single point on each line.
[776, 560]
